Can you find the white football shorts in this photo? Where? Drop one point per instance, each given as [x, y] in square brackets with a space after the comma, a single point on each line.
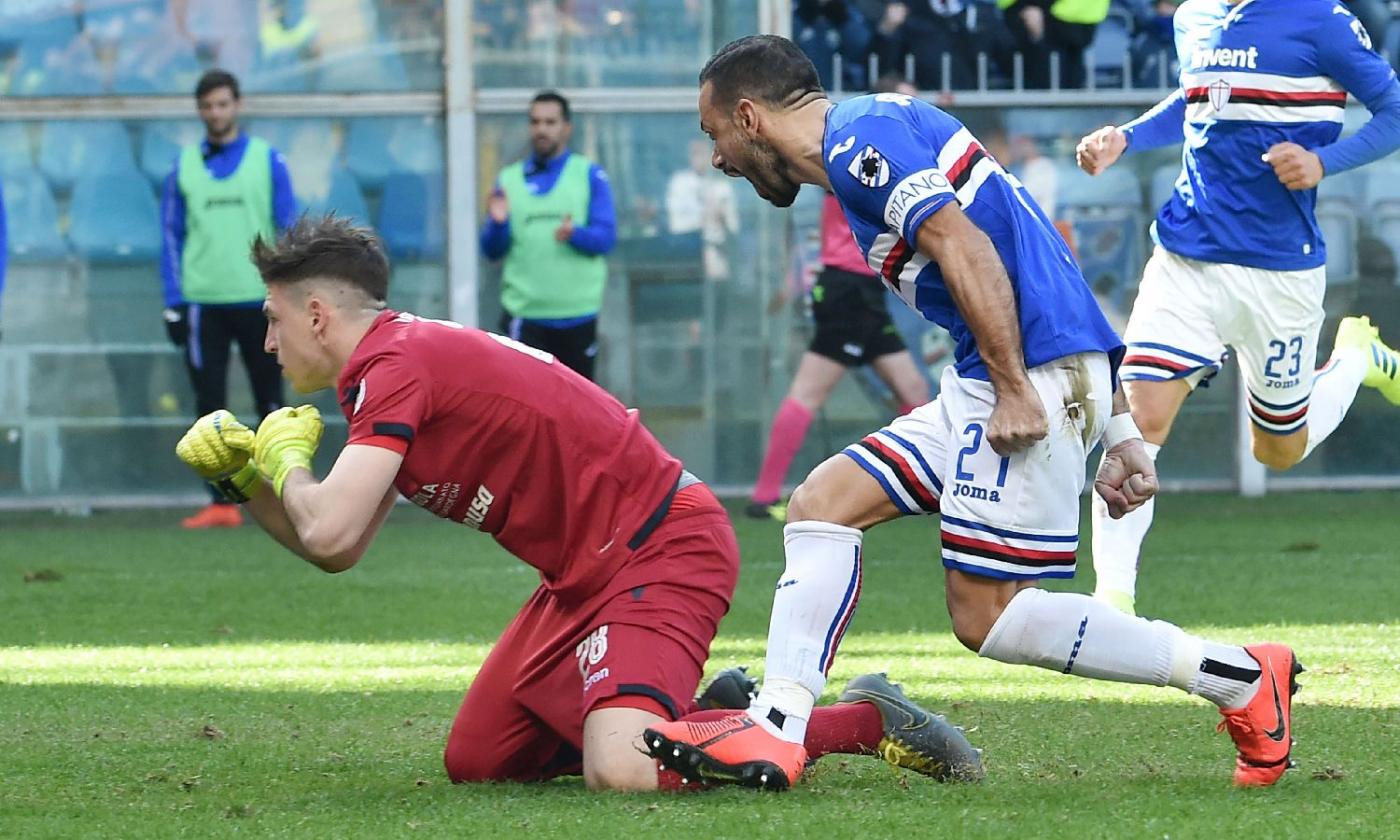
[1013, 517]
[1187, 311]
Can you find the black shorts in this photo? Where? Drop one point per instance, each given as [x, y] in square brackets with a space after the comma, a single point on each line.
[576, 347]
[853, 325]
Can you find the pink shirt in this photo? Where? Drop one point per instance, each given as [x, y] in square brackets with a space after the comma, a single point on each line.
[838, 245]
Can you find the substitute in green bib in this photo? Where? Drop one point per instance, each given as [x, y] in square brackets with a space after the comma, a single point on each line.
[551, 218]
[222, 193]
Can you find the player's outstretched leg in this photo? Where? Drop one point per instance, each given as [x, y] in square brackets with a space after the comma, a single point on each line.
[1075, 634]
[872, 717]
[912, 737]
[1382, 363]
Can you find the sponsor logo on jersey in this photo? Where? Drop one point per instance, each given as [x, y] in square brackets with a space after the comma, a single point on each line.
[870, 168]
[841, 148]
[438, 498]
[480, 506]
[1204, 57]
[360, 396]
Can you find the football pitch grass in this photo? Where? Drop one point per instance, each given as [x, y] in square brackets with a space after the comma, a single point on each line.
[156, 683]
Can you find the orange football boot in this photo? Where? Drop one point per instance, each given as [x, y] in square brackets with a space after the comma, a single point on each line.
[1262, 729]
[214, 516]
[734, 749]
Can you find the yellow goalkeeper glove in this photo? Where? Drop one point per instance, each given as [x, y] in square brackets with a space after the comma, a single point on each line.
[287, 438]
[220, 449]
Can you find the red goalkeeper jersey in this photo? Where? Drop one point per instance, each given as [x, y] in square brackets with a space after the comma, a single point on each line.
[500, 437]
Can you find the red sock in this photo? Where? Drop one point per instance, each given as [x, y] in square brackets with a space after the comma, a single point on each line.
[784, 439]
[905, 408]
[850, 728]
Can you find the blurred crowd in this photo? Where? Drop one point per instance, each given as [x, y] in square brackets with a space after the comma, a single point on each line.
[1000, 44]
[91, 47]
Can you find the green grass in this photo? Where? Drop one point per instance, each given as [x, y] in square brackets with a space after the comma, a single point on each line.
[210, 684]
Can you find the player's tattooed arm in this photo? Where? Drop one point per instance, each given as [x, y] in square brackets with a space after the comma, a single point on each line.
[975, 277]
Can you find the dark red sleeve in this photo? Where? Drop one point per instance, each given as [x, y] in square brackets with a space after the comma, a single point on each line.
[390, 402]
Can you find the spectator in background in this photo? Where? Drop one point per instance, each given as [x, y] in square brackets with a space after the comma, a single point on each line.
[551, 218]
[1042, 28]
[223, 192]
[827, 28]
[928, 30]
[1154, 43]
[700, 200]
[853, 329]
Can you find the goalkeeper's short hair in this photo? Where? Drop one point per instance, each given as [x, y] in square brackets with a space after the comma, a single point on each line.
[325, 247]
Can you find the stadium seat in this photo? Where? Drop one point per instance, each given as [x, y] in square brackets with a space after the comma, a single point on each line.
[377, 146]
[44, 26]
[1106, 215]
[115, 218]
[31, 218]
[1164, 184]
[1340, 227]
[343, 197]
[16, 154]
[1108, 54]
[1382, 184]
[362, 71]
[1117, 187]
[69, 149]
[1345, 187]
[160, 145]
[412, 216]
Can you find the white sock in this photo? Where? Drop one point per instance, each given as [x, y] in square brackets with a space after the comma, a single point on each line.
[1076, 634]
[1118, 542]
[814, 602]
[1334, 388]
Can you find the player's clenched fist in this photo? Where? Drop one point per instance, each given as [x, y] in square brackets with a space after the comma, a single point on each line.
[1100, 150]
[218, 447]
[1127, 478]
[287, 438]
[1295, 167]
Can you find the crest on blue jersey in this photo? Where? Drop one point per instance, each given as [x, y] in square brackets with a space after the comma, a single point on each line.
[870, 168]
[1219, 94]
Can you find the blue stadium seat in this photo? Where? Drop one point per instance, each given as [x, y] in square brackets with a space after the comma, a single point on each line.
[115, 218]
[31, 218]
[1340, 227]
[1382, 184]
[1118, 187]
[1164, 184]
[412, 216]
[362, 71]
[160, 145]
[1345, 187]
[16, 154]
[1106, 215]
[38, 27]
[69, 149]
[284, 72]
[377, 146]
[344, 198]
[1108, 54]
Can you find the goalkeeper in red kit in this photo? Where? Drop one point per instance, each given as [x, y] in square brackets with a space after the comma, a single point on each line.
[637, 560]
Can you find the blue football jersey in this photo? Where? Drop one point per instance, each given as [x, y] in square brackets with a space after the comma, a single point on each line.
[1254, 74]
[893, 161]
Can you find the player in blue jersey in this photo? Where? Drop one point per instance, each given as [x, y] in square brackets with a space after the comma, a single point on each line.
[1002, 449]
[1240, 258]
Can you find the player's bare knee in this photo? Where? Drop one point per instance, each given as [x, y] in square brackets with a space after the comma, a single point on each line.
[621, 769]
[1279, 453]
